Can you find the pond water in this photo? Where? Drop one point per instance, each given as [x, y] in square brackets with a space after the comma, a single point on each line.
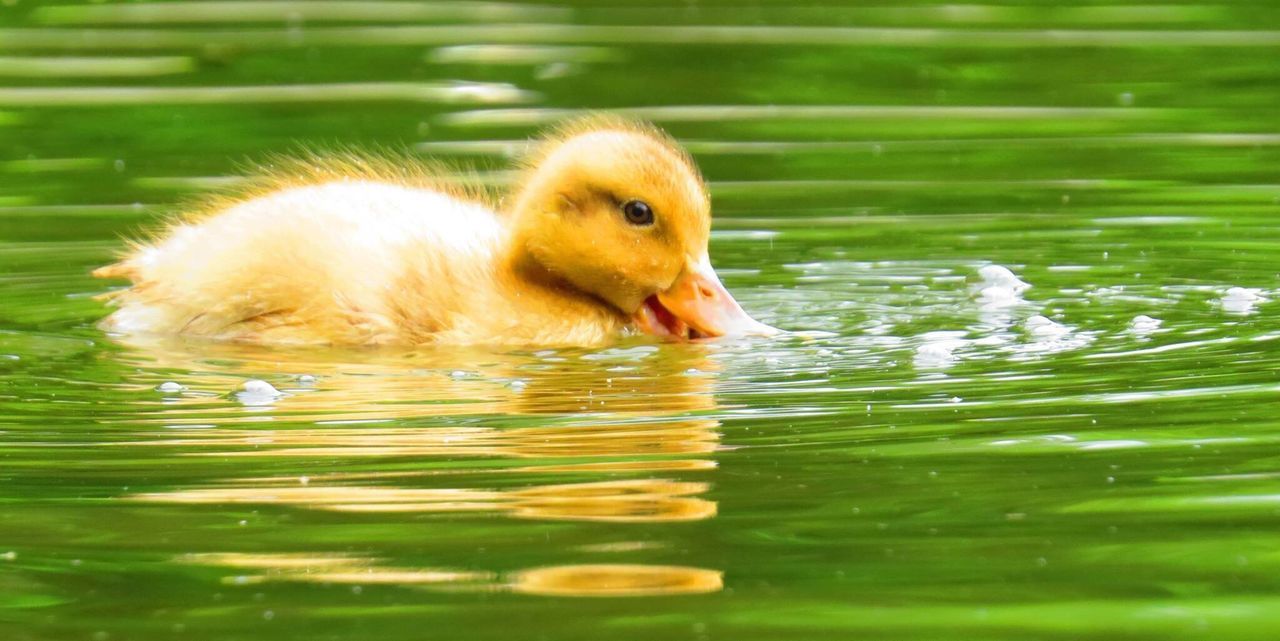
[937, 452]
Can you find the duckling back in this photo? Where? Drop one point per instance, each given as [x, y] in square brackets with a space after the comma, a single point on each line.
[345, 262]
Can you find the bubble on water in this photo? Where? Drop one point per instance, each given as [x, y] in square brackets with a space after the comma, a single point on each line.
[170, 387]
[999, 276]
[306, 379]
[1241, 300]
[1143, 324]
[257, 386]
[1125, 99]
[258, 392]
[1044, 327]
[999, 288]
[457, 374]
[8, 556]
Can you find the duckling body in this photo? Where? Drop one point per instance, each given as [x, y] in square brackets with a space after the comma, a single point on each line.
[359, 260]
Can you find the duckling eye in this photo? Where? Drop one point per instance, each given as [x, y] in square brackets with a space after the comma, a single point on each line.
[638, 212]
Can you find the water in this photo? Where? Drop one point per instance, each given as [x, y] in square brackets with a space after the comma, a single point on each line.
[941, 454]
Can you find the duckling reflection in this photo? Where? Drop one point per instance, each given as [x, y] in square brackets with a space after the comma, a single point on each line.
[329, 387]
[623, 411]
[640, 500]
[594, 580]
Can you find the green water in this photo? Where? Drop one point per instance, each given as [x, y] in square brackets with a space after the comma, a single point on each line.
[926, 461]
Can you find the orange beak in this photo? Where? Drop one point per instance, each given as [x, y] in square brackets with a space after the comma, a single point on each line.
[697, 306]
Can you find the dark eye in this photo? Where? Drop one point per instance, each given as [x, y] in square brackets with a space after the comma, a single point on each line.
[638, 212]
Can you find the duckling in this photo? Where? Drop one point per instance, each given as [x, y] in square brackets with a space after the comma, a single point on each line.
[605, 234]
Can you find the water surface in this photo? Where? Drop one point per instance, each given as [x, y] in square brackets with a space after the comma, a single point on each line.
[939, 452]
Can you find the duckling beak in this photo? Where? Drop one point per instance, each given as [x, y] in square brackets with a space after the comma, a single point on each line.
[697, 306]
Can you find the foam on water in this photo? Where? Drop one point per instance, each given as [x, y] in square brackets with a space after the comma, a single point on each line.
[1142, 325]
[1241, 300]
[1044, 327]
[938, 350]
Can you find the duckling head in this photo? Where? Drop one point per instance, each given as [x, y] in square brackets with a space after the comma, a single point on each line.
[616, 210]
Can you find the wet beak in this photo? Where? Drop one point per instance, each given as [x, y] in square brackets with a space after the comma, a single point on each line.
[697, 306]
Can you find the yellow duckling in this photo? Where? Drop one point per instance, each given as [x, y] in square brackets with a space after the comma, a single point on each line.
[606, 231]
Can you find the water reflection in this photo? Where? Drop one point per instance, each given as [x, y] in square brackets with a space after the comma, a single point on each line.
[554, 435]
[292, 12]
[634, 384]
[425, 92]
[648, 500]
[602, 580]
